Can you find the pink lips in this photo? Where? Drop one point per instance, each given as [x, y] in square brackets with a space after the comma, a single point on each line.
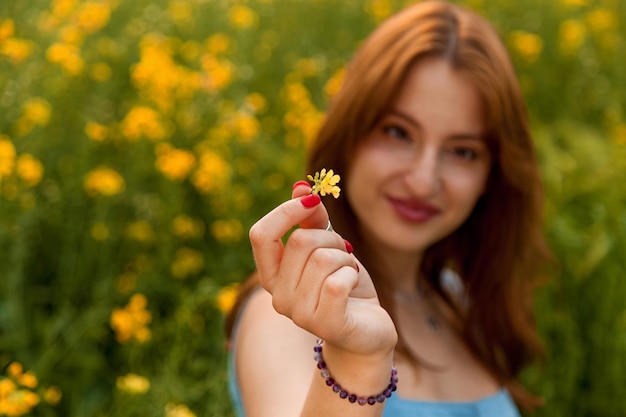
[414, 210]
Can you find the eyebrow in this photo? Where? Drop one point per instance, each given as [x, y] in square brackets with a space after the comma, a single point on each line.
[410, 120]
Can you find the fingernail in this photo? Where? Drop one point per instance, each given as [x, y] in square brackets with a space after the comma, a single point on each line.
[299, 183]
[311, 200]
[349, 248]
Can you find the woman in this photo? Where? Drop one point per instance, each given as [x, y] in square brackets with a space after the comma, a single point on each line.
[436, 245]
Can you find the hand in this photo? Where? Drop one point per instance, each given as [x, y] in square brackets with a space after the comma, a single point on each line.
[315, 281]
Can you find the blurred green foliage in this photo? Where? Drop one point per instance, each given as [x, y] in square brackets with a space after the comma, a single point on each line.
[139, 141]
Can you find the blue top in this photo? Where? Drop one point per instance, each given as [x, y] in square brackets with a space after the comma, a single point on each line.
[498, 405]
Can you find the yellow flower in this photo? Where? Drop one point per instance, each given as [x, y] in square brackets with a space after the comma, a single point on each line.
[379, 9]
[174, 163]
[93, 16]
[242, 17]
[218, 43]
[52, 395]
[37, 110]
[226, 298]
[186, 227]
[101, 71]
[181, 11]
[67, 56]
[133, 383]
[187, 262]
[256, 102]
[325, 183]
[96, 131]
[130, 322]
[141, 122]
[99, 232]
[571, 36]
[103, 181]
[29, 169]
[180, 410]
[333, 85]
[528, 45]
[7, 156]
[141, 231]
[601, 19]
[7, 29]
[28, 380]
[15, 369]
[220, 73]
[212, 174]
[17, 50]
[227, 231]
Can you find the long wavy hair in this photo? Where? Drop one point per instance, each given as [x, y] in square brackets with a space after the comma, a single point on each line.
[500, 248]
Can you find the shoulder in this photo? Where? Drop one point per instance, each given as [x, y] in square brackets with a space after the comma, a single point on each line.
[273, 359]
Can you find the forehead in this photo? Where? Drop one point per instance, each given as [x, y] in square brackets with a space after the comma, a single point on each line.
[440, 97]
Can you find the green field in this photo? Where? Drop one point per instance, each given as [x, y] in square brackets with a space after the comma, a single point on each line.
[139, 140]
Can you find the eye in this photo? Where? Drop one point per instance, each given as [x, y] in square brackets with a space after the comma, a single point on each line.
[465, 153]
[397, 132]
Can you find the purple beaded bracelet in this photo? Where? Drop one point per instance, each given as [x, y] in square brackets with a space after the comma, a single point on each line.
[353, 398]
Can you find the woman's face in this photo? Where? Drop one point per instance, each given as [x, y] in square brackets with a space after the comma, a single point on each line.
[417, 176]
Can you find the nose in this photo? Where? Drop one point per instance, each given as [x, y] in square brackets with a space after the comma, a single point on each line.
[423, 176]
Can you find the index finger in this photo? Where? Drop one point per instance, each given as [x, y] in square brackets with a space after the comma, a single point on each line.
[266, 234]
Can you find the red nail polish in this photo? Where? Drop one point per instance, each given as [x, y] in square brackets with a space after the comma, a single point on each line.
[311, 200]
[349, 248]
[299, 183]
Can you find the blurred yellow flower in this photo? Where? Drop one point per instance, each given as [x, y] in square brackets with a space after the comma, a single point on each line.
[130, 322]
[99, 232]
[141, 122]
[16, 50]
[180, 410]
[379, 9]
[141, 231]
[218, 43]
[159, 77]
[67, 56]
[601, 19]
[242, 17]
[226, 297]
[186, 227]
[103, 181]
[62, 8]
[181, 11]
[37, 110]
[7, 156]
[16, 397]
[527, 45]
[212, 173]
[220, 73]
[15, 369]
[571, 36]
[175, 164]
[100, 71]
[7, 29]
[93, 15]
[246, 127]
[187, 262]
[52, 395]
[133, 384]
[256, 102]
[333, 85]
[325, 182]
[227, 231]
[96, 131]
[28, 380]
[619, 134]
[29, 169]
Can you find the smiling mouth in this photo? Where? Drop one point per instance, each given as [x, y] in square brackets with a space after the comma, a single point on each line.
[414, 211]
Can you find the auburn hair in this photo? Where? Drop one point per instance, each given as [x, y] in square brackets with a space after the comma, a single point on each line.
[499, 250]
